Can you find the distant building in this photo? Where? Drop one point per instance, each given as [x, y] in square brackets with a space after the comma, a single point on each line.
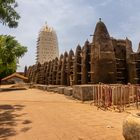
[47, 45]
[14, 78]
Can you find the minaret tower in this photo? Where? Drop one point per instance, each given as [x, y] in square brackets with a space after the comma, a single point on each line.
[47, 45]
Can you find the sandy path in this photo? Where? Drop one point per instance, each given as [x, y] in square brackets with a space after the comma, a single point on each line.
[37, 115]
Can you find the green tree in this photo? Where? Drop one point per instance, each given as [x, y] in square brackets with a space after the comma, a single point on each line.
[8, 15]
[10, 52]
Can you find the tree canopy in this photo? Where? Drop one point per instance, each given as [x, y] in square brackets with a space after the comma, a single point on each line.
[8, 15]
[10, 52]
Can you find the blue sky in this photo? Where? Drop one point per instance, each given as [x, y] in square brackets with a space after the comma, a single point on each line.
[74, 21]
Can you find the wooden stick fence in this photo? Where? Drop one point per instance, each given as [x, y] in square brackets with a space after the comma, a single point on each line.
[116, 96]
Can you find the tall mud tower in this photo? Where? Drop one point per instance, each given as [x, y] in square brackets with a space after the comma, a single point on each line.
[103, 63]
[47, 45]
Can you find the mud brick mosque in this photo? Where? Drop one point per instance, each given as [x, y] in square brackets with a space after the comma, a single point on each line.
[105, 59]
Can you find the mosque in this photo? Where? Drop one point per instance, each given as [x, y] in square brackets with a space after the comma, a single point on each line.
[104, 59]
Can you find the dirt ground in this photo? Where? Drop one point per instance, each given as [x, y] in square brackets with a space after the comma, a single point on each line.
[39, 115]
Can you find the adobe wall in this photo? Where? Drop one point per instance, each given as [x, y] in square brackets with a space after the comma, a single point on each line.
[104, 60]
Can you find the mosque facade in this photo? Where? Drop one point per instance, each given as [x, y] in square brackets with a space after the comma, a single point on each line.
[103, 60]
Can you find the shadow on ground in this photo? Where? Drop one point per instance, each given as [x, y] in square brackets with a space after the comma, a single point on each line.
[9, 119]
